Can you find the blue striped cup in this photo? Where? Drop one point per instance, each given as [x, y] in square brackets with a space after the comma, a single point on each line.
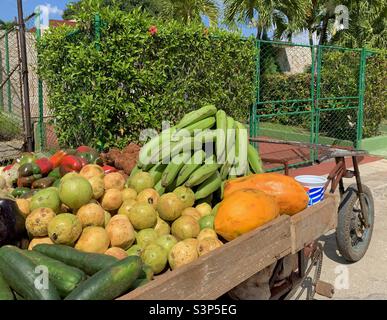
[314, 186]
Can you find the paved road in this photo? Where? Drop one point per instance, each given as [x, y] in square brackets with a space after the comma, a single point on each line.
[367, 279]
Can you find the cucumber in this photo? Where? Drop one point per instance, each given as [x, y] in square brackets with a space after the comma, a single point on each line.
[146, 275]
[20, 273]
[64, 277]
[18, 296]
[5, 290]
[88, 262]
[110, 282]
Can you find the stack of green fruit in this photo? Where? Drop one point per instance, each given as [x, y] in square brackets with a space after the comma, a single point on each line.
[203, 150]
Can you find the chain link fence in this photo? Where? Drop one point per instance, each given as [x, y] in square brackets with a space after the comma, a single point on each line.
[11, 96]
[315, 95]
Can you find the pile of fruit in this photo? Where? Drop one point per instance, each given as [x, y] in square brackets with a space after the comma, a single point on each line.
[181, 201]
[34, 171]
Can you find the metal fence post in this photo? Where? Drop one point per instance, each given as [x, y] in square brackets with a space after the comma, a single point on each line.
[253, 114]
[360, 114]
[26, 91]
[313, 153]
[42, 137]
[318, 94]
[1, 81]
[8, 71]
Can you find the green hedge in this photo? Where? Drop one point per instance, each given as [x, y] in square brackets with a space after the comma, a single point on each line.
[339, 78]
[105, 94]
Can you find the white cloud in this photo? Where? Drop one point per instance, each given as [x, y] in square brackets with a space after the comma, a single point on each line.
[46, 11]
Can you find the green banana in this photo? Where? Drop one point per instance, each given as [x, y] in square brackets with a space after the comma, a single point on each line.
[173, 168]
[194, 163]
[221, 130]
[254, 159]
[159, 188]
[157, 171]
[225, 170]
[149, 151]
[204, 136]
[196, 115]
[148, 167]
[230, 141]
[241, 141]
[201, 125]
[209, 186]
[204, 172]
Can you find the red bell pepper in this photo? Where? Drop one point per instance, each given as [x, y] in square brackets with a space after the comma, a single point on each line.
[85, 149]
[57, 158]
[83, 161]
[109, 169]
[70, 164]
[45, 165]
[9, 167]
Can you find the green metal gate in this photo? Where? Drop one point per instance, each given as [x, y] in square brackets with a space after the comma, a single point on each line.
[311, 94]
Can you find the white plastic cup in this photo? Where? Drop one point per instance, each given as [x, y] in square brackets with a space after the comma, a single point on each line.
[314, 186]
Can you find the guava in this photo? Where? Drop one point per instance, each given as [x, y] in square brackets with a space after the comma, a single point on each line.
[134, 250]
[93, 239]
[185, 227]
[46, 198]
[186, 195]
[142, 216]
[129, 194]
[146, 237]
[166, 241]
[141, 181]
[91, 214]
[204, 209]
[192, 212]
[75, 192]
[65, 229]
[183, 253]
[162, 227]
[207, 222]
[126, 206]
[155, 257]
[149, 196]
[170, 206]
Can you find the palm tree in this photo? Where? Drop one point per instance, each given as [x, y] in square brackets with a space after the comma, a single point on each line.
[277, 14]
[367, 25]
[188, 11]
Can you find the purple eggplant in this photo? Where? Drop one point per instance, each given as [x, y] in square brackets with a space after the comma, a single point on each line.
[12, 222]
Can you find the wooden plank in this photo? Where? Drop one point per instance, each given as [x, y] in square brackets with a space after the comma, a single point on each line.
[313, 222]
[215, 274]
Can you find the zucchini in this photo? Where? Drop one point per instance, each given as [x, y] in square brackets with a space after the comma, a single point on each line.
[146, 275]
[5, 290]
[110, 282]
[20, 273]
[64, 277]
[88, 262]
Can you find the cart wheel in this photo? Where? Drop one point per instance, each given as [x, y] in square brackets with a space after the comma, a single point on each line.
[352, 237]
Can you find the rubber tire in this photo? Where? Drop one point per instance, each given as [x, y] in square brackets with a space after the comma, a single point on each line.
[345, 214]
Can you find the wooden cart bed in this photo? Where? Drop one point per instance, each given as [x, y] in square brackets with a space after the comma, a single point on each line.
[214, 274]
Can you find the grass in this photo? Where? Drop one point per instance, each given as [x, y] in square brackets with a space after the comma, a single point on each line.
[10, 126]
[291, 133]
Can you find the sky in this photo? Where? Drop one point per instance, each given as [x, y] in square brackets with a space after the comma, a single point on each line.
[54, 8]
[8, 8]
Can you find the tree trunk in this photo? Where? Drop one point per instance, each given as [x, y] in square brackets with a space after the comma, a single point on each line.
[324, 30]
[310, 33]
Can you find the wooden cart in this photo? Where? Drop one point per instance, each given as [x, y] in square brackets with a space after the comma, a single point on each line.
[214, 274]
